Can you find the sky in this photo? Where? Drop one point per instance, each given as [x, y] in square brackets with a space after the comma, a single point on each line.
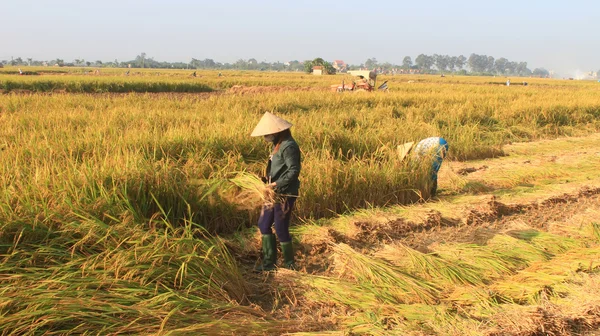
[558, 35]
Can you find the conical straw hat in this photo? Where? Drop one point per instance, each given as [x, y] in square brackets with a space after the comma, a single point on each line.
[270, 124]
[404, 149]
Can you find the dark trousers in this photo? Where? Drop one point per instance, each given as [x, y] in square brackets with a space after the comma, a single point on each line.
[278, 214]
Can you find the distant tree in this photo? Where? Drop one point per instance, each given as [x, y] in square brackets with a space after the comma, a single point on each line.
[140, 60]
[88, 63]
[500, 65]
[407, 62]
[371, 63]
[240, 64]
[295, 66]
[387, 66]
[441, 62]
[511, 67]
[460, 62]
[16, 61]
[58, 61]
[424, 62]
[490, 65]
[210, 63]
[452, 63]
[478, 63]
[308, 65]
[327, 67]
[522, 69]
[252, 64]
[541, 72]
[98, 63]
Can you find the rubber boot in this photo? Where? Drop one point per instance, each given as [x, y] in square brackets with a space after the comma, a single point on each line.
[434, 188]
[269, 253]
[288, 255]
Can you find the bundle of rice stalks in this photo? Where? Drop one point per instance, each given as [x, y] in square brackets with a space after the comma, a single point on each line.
[548, 242]
[493, 263]
[252, 191]
[388, 282]
[476, 301]
[365, 312]
[432, 267]
[519, 252]
[548, 279]
[245, 190]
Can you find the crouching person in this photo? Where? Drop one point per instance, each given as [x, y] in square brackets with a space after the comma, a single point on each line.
[432, 150]
[283, 169]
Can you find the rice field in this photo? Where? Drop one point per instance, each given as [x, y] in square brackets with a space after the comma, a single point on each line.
[123, 209]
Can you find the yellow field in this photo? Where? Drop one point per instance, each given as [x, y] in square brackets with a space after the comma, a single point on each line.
[109, 216]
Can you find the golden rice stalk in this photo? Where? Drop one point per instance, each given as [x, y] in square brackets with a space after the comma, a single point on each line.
[388, 282]
[253, 192]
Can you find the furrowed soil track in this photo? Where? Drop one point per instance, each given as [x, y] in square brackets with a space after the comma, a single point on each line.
[476, 225]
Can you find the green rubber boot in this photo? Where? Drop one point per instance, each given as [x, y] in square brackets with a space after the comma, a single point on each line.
[288, 255]
[269, 253]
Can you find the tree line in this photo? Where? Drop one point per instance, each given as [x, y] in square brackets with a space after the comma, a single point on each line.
[474, 64]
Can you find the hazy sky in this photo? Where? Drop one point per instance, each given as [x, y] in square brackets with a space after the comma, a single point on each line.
[559, 35]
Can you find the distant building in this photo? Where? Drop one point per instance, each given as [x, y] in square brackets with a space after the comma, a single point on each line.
[340, 66]
[317, 70]
[587, 75]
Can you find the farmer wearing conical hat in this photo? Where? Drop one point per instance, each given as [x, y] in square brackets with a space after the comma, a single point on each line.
[282, 174]
[434, 149]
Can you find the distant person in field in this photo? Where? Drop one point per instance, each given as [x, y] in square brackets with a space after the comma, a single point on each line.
[283, 169]
[508, 82]
[194, 74]
[432, 150]
[127, 73]
[20, 72]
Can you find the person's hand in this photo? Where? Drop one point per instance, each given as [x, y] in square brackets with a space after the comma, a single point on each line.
[272, 185]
